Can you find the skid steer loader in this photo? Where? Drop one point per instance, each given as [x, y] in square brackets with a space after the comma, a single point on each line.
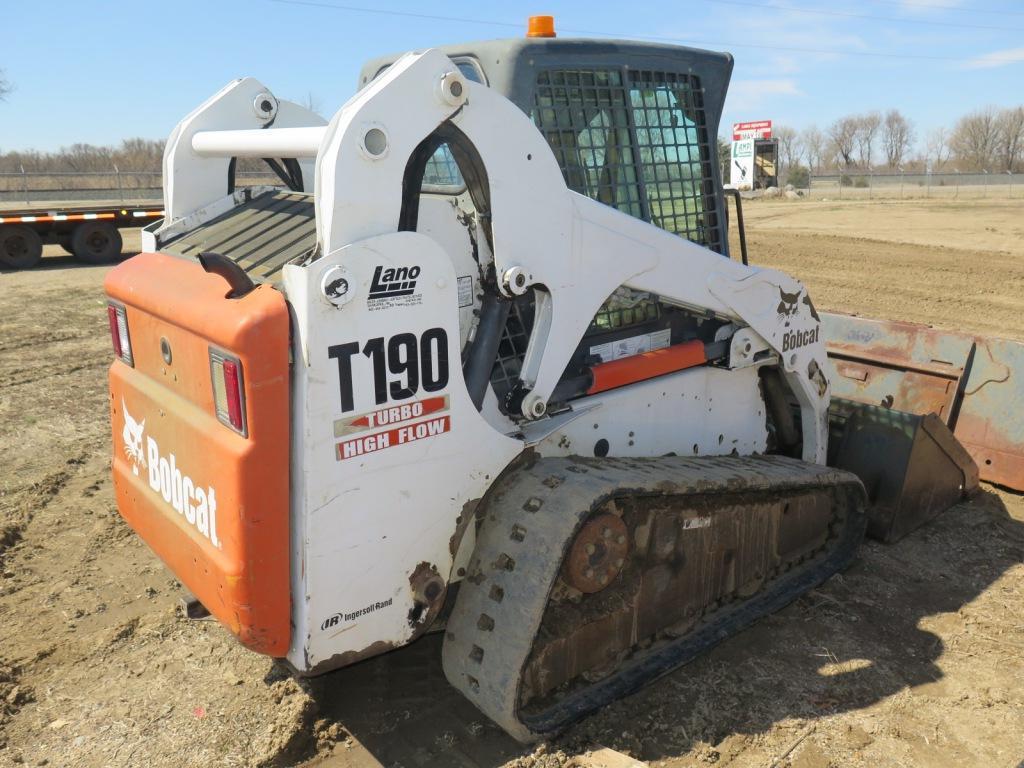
[482, 363]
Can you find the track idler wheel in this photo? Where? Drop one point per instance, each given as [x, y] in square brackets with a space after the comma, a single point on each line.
[597, 554]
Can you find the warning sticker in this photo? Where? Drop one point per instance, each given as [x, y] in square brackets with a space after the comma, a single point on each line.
[634, 345]
[409, 433]
[465, 291]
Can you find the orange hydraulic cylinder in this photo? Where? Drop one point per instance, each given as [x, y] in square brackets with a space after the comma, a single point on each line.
[646, 365]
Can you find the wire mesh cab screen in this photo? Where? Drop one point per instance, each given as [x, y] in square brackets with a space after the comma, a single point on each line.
[635, 140]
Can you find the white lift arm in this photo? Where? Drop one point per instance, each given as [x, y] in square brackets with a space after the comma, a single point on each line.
[201, 146]
[573, 251]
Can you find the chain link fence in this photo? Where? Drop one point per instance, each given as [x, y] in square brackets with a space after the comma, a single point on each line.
[858, 185]
[31, 188]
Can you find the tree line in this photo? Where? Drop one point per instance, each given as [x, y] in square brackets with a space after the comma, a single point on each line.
[132, 155]
[989, 139]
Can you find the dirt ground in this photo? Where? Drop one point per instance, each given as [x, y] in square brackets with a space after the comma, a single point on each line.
[912, 657]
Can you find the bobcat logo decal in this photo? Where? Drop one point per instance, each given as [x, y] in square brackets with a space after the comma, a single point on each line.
[788, 303]
[132, 436]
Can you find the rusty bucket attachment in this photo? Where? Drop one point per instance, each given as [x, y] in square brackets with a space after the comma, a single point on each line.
[912, 466]
[975, 384]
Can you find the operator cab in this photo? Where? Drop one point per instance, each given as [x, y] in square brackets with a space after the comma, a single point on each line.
[632, 125]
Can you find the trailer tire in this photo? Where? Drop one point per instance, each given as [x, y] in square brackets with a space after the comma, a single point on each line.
[21, 247]
[64, 241]
[96, 242]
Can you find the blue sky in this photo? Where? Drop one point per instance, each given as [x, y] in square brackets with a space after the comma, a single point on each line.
[101, 71]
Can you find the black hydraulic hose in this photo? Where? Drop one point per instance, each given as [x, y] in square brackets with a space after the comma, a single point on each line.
[287, 176]
[480, 360]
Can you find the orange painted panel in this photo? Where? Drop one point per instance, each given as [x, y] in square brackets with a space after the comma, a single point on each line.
[213, 504]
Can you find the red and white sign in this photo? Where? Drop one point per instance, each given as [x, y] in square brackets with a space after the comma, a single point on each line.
[409, 433]
[756, 129]
[390, 416]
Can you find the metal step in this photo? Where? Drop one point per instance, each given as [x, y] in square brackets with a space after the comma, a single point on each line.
[261, 236]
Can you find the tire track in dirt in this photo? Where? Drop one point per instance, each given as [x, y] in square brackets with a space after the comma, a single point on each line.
[54, 371]
[951, 288]
[38, 340]
[26, 502]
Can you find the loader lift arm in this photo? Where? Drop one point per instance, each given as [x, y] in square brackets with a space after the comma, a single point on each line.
[545, 236]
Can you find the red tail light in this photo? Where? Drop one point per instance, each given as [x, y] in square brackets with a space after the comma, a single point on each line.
[228, 391]
[118, 320]
[234, 396]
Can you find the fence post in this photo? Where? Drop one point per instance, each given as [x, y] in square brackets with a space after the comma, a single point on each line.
[871, 183]
[1010, 174]
[956, 192]
[984, 183]
[24, 184]
[120, 189]
[901, 183]
[928, 185]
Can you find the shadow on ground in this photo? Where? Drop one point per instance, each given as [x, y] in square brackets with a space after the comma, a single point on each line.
[847, 645]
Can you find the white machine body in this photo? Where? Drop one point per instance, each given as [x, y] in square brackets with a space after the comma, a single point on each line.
[389, 454]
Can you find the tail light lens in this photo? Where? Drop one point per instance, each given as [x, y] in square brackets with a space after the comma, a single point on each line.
[228, 390]
[119, 333]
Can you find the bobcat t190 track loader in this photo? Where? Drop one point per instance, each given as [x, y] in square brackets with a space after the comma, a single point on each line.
[482, 363]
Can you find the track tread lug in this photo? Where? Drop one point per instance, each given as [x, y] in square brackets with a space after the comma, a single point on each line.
[551, 511]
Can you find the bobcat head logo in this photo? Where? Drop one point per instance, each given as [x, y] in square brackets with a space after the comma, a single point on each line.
[132, 436]
[788, 303]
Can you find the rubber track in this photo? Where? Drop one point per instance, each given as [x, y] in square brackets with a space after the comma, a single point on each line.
[528, 522]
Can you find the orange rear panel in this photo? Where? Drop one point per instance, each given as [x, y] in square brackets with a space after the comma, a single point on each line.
[213, 504]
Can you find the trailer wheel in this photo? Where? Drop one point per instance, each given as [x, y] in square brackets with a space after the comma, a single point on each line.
[95, 242]
[20, 247]
[64, 241]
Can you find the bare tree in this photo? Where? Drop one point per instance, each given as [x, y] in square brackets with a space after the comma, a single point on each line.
[1010, 138]
[5, 86]
[813, 142]
[789, 148]
[975, 139]
[937, 149]
[897, 136]
[843, 133]
[132, 155]
[868, 126]
[139, 154]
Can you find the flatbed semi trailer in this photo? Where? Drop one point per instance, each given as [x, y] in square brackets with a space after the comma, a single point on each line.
[91, 233]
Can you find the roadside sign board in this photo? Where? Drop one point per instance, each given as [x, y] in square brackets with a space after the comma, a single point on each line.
[741, 164]
[756, 129]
